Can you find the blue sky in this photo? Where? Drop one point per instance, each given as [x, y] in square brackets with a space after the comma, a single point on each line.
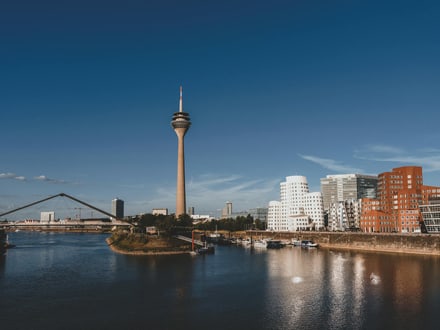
[273, 88]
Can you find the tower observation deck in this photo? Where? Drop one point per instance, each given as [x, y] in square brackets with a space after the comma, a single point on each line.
[180, 124]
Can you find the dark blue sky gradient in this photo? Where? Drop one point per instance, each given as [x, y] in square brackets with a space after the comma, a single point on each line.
[273, 88]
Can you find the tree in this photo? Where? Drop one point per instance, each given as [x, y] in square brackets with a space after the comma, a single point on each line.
[165, 224]
[184, 220]
[147, 220]
[259, 224]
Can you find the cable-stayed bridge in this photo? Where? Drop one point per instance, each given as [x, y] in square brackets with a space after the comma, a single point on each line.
[114, 221]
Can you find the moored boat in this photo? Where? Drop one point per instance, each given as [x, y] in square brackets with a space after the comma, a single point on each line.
[274, 244]
[259, 243]
[246, 242]
[214, 237]
[296, 242]
[206, 249]
[309, 244]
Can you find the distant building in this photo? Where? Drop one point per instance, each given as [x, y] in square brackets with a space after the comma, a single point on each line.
[237, 214]
[191, 210]
[163, 211]
[30, 221]
[298, 209]
[343, 187]
[255, 213]
[201, 217]
[118, 208]
[152, 230]
[47, 217]
[227, 211]
[259, 213]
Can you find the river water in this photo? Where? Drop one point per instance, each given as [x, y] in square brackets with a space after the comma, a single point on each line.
[74, 281]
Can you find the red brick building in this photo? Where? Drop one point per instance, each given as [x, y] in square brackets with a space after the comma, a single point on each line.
[396, 208]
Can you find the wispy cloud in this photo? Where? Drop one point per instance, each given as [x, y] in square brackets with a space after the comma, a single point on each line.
[384, 149]
[332, 164]
[12, 176]
[46, 179]
[213, 191]
[428, 158]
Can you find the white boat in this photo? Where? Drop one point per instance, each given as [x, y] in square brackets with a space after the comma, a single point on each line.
[309, 244]
[234, 240]
[296, 242]
[259, 243]
[285, 242]
[246, 242]
[215, 235]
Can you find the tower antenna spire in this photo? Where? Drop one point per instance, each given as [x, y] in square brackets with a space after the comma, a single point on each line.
[181, 100]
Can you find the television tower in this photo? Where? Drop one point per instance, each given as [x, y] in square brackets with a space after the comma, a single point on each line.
[180, 124]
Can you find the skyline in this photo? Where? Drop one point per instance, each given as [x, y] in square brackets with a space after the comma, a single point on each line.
[311, 88]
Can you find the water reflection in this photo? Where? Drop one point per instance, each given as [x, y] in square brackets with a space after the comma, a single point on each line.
[337, 288]
[408, 287]
[358, 289]
[235, 288]
[2, 264]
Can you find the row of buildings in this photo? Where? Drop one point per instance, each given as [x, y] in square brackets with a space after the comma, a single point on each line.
[395, 201]
[48, 217]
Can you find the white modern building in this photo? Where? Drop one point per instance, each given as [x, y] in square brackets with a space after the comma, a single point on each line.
[298, 209]
[344, 215]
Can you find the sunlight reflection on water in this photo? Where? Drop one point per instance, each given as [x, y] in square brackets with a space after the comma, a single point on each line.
[297, 279]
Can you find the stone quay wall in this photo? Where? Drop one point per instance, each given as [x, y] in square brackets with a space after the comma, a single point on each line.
[381, 242]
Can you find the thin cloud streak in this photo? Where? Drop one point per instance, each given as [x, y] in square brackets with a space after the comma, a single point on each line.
[385, 149]
[12, 176]
[212, 192]
[331, 164]
[209, 179]
[42, 178]
[46, 179]
[428, 158]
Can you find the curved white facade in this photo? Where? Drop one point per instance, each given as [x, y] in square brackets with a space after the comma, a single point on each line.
[298, 209]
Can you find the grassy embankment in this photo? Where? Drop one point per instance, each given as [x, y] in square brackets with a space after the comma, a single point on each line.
[142, 244]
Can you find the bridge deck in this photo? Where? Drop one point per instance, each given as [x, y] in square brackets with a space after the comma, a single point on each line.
[188, 239]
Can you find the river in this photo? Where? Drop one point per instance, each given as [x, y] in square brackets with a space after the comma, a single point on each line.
[74, 281]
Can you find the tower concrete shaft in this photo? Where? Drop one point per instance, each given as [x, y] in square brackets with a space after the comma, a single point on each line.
[180, 124]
